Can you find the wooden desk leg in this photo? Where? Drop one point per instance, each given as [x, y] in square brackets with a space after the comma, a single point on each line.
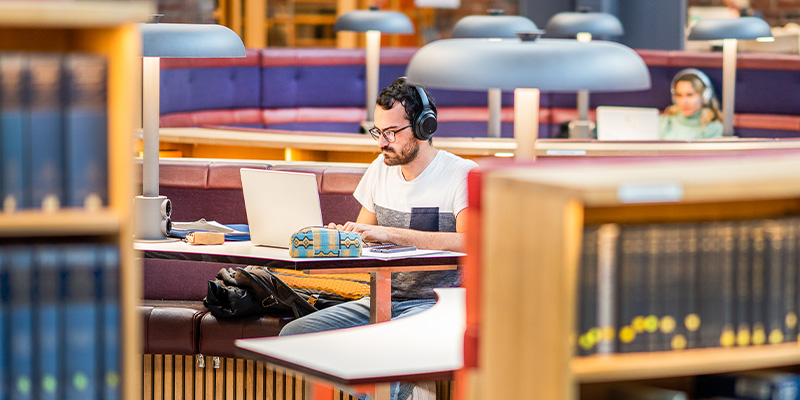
[382, 391]
[380, 297]
[380, 310]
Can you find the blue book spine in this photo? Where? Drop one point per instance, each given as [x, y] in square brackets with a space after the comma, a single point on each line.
[21, 321]
[13, 123]
[109, 266]
[5, 345]
[46, 156]
[47, 276]
[85, 123]
[80, 323]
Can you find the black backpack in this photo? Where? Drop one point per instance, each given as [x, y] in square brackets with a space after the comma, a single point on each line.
[254, 290]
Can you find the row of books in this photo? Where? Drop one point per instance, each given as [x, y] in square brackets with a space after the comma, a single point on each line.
[749, 385]
[53, 130]
[679, 286]
[59, 321]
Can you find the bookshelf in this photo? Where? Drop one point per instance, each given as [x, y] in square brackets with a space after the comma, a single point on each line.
[301, 23]
[524, 296]
[106, 28]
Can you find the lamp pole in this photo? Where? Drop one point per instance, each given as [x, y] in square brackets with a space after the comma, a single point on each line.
[150, 114]
[373, 54]
[151, 210]
[495, 105]
[526, 122]
[728, 84]
[583, 95]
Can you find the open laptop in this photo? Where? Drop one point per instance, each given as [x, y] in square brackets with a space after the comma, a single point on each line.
[627, 123]
[278, 204]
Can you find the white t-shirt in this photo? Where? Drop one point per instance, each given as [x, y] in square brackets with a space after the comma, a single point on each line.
[430, 202]
[442, 185]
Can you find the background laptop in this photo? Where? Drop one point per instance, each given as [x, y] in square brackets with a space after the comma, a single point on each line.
[278, 204]
[627, 123]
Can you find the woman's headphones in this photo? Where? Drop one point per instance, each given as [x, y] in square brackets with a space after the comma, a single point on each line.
[708, 91]
[425, 122]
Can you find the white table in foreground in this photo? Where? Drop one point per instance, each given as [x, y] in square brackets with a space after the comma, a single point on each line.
[421, 347]
[380, 266]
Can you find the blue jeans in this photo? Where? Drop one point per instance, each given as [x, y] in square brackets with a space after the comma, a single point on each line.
[356, 313]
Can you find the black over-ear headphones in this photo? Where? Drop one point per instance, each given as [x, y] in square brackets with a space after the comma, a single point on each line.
[708, 92]
[425, 123]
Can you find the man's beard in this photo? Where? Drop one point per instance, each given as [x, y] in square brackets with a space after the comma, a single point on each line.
[406, 155]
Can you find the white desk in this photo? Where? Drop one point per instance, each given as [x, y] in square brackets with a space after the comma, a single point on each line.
[380, 267]
[421, 347]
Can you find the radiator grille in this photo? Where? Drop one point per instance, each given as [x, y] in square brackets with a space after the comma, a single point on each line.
[178, 377]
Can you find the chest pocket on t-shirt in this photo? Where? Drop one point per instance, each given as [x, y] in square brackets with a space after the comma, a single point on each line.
[425, 219]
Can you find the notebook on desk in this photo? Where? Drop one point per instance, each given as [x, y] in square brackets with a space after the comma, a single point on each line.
[278, 204]
[627, 123]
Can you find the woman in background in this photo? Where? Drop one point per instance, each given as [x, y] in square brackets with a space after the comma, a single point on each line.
[694, 113]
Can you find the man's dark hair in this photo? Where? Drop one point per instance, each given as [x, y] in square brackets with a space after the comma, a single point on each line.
[405, 93]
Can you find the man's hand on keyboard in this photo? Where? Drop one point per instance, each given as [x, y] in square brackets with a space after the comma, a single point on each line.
[369, 233]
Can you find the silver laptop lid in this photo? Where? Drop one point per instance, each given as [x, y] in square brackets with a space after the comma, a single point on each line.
[627, 123]
[279, 203]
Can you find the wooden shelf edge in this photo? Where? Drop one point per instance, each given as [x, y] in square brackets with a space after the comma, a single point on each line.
[623, 367]
[59, 223]
[84, 14]
[328, 141]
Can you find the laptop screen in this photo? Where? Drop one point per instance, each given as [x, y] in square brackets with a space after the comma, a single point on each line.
[278, 204]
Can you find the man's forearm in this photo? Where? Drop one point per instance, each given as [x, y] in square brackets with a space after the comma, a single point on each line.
[450, 241]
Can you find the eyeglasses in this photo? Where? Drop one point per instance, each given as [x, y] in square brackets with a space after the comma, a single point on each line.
[387, 134]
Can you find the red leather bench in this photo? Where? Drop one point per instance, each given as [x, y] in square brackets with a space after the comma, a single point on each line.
[175, 320]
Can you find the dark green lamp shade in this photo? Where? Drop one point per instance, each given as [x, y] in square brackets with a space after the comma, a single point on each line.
[492, 26]
[190, 40]
[374, 20]
[559, 65]
[744, 28]
[569, 24]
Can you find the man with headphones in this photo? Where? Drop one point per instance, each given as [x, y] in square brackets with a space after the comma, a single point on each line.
[694, 113]
[412, 194]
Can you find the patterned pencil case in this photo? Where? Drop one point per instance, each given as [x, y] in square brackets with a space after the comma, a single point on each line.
[325, 242]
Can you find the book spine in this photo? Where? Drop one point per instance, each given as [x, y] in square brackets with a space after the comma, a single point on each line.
[744, 274]
[688, 334]
[21, 320]
[45, 131]
[632, 306]
[773, 268]
[727, 331]
[85, 123]
[654, 288]
[47, 276]
[14, 144]
[109, 265]
[5, 325]
[668, 324]
[81, 322]
[708, 283]
[588, 330]
[758, 285]
[607, 297]
[790, 280]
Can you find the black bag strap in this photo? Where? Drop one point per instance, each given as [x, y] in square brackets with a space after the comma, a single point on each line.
[272, 292]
